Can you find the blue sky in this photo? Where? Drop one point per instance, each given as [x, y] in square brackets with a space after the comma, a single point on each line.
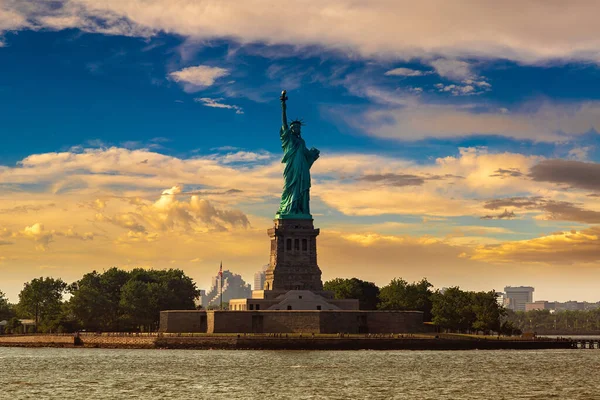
[468, 149]
[93, 88]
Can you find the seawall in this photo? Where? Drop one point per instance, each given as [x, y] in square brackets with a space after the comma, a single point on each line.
[276, 342]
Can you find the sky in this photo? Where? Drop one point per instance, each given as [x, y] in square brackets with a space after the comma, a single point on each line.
[459, 140]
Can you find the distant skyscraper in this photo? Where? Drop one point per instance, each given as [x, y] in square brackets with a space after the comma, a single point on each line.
[233, 287]
[259, 278]
[516, 297]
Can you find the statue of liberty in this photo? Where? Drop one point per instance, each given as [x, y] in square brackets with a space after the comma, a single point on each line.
[298, 159]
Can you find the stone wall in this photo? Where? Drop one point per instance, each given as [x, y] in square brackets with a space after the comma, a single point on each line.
[292, 321]
[118, 341]
[183, 321]
[35, 339]
[229, 321]
[395, 321]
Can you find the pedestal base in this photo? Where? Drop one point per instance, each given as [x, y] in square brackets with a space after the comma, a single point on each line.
[293, 262]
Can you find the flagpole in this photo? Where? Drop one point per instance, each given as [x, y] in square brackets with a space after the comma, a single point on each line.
[221, 273]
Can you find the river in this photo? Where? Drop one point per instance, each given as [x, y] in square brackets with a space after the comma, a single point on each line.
[56, 373]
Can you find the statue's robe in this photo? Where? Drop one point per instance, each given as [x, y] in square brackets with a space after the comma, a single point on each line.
[298, 159]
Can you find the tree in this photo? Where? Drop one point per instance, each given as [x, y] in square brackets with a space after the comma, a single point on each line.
[367, 293]
[451, 309]
[6, 311]
[117, 300]
[41, 299]
[147, 293]
[507, 328]
[487, 311]
[139, 303]
[462, 311]
[96, 299]
[401, 295]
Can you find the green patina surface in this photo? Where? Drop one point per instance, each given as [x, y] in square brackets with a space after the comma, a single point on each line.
[298, 159]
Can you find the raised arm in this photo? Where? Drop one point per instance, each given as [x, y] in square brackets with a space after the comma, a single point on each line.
[283, 98]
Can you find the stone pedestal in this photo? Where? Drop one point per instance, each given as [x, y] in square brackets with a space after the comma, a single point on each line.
[293, 262]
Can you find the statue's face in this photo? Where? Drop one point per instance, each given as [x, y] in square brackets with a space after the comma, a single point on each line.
[296, 129]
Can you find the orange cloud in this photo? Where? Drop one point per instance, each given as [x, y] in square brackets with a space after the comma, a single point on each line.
[562, 248]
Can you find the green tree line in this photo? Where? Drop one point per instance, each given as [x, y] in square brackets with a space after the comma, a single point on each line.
[451, 309]
[118, 300]
[114, 300]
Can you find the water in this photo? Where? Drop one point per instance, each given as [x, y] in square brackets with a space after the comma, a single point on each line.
[48, 373]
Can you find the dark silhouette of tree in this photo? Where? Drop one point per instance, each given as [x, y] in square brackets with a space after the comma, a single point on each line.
[457, 310]
[367, 293]
[41, 300]
[451, 309]
[488, 313]
[401, 295]
[117, 300]
[96, 299]
[6, 309]
[556, 322]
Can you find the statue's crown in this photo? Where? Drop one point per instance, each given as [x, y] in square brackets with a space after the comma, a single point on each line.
[297, 122]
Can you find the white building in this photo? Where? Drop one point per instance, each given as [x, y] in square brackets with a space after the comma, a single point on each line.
[259, 278]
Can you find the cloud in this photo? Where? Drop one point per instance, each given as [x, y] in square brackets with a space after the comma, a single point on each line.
[225, 148]
[507, 173]
[69, 233]
[517, 202]
[182, 209]
[467, 88]
[124, 220]
[529, 33]
[566, 211]
[504, 215]
[576, 174]
[167, 214]
[394, 179]
[454, 70]
[561, 248]
[11, 19]
[216, 103]
[413, 120]
[579, 153]
[554, 210]
[38, 234]
[399, 180]
[42, 237]
[197, 78]
[26, 208]
[406, 72]
[245, 156]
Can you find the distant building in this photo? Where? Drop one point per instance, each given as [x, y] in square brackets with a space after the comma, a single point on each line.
[234, 287]
[201, 295]
[260, 277]
[516, 297]
[591, 306]
[570, 306]
[558, 306]
[27, 326]
[539, 305]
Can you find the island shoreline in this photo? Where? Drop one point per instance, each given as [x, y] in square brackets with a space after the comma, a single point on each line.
[235, 342]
